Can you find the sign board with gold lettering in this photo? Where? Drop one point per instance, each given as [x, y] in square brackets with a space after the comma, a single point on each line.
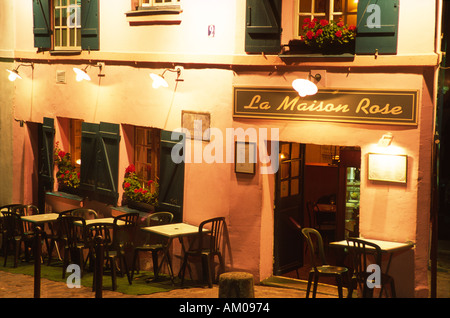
[396, 107]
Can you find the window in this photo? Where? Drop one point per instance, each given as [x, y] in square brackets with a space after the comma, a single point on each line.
[146, 153]
[75, 142]
[63, 25]
[67, 24]
[325, 9]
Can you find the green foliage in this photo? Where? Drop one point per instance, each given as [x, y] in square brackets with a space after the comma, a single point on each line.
[325, 34]
[67, 174]
[138, 191]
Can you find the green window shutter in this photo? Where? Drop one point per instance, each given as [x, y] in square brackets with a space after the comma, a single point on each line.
[89, 25]
[46, 153]
[108, 162]
[99, 172]
[377, 27]
[42, 24]
[171, 175]
[263, 26]
[88, 169]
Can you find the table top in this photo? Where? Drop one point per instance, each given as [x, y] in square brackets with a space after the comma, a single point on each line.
[101, 220]
[386, 246]
[173, 229]
[41, 218]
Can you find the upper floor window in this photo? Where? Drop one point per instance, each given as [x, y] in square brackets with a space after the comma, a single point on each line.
[63, 25]
[67, 24]
[331, 10]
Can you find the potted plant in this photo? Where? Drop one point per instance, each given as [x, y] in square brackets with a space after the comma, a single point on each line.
[67, 175]
[326, 37]
[137, 194]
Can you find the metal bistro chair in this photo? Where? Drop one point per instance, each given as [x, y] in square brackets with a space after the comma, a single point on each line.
[209, 245]
[154, 245]
[125, 228]
[5, 208]
[315, 244]
[16, 232]
[55, 237]
[75, 237]
[360, 251]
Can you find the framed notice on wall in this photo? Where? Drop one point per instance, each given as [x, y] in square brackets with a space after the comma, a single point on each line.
[388, 168]
[245, 157]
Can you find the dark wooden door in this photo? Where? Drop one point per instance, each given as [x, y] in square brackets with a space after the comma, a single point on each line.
[288, 244]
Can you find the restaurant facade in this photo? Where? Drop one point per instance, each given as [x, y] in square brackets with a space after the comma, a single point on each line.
[229, 66]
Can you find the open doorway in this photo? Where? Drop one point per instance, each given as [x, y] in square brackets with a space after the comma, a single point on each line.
[315, 185]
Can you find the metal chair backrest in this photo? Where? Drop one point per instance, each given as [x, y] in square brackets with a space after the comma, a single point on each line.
[87, 214]
[360, 250]
[159, 218]
[315, 244]
[72, 233]
[12, 224]
[105, 231]
[214, 237]
[125, 233]
[25, 209]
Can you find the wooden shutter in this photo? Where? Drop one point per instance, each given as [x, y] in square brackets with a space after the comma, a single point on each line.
[88, 169]
[108, 161]
[263, 26]
[41, 24]
[171, 178]
[89, 25]
[382, 37]
[46, 153]
[99, 170]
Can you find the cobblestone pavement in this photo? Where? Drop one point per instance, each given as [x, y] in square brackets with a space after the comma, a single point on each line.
[21, 286]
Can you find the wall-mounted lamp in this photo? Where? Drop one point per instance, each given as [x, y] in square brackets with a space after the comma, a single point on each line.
[306, 87]
[158, 80]
[14, 74]
[82, 73]
[385, 140]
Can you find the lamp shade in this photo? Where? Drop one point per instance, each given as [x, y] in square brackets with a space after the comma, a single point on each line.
[158, 81]
[304, 87]
[81, 75]
[13, 75]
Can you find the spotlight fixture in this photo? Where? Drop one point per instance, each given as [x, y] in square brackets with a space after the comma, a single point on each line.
[158, 80]
[306, 87]
[82, 73]
[14, 74]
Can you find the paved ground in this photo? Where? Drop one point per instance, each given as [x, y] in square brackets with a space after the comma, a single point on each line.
[21, 286]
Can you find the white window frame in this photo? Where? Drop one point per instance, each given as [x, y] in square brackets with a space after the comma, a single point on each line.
[72, 27]
[330, 15]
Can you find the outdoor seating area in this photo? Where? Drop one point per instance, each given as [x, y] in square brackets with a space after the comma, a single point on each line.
[107, 250]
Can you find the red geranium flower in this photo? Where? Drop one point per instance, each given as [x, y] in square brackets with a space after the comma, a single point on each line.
[127, 185]
[319, 32]
[351, 28]
[61, 154]
[339, 33]
[130, 169]
[310, 34]
[323, 22]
